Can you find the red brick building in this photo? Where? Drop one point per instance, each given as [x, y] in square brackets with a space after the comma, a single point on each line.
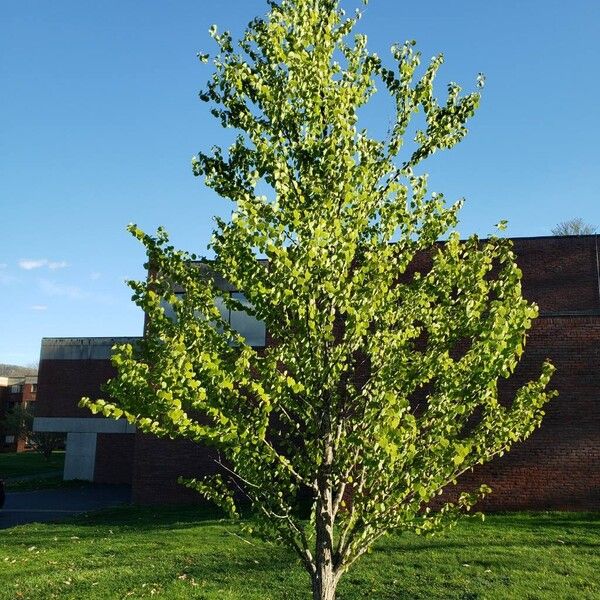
[16, 391]
[558, 467]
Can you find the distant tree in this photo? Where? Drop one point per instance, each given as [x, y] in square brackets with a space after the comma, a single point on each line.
[576, 226]
[19, 422]
[381, 388]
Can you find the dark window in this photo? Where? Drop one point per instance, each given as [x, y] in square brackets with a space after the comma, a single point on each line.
[250, 327]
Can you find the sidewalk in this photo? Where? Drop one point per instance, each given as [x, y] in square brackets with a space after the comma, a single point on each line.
[45, 475]
[59, 504]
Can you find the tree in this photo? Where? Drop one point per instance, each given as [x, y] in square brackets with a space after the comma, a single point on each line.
[576, 226]
[380, 388]
[19, 421]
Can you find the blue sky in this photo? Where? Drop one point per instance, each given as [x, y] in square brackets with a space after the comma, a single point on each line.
[99, 118]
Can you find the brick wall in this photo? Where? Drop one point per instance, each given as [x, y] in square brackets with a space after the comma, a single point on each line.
[63, 382]
[114, 458]
[159, 462]
[3, 409]
[29, 393]
[558, 467]
[559, 273]
[26, 395]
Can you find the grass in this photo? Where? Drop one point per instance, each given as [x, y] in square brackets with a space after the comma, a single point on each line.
[188, 553]
[28, 464]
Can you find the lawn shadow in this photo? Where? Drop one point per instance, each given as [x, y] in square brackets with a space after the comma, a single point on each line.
[535, 521]
[143, 518]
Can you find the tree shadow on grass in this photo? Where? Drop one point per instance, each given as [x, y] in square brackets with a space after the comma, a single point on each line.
[143, 518]
[501, 544]
[517, 530]
[550, 520]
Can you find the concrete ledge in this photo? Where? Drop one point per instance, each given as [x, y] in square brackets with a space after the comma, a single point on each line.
[95, 348]
[82, 425]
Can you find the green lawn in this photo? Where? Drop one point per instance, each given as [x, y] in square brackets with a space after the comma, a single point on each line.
[26, 464]
[183, 553]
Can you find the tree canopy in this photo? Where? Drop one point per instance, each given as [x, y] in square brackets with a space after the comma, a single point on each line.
[379, 386]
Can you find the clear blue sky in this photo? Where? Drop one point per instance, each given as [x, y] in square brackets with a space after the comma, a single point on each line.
[99, 118]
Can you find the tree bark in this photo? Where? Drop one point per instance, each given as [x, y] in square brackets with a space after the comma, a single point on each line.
[324, 578]
[324, 586]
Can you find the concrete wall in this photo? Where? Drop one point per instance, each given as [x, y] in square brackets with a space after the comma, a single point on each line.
[80, 456]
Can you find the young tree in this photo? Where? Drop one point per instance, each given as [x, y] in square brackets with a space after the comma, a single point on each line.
[19, 422]
[380, 387]
[576, 226]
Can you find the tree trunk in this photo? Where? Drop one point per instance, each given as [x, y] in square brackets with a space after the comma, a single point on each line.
[324, 578]
[324, 584]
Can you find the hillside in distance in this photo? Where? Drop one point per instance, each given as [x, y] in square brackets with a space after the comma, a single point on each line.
[16, 370]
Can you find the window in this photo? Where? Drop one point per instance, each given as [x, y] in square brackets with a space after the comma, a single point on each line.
[250, 327]
[16, 389]
[33, 388]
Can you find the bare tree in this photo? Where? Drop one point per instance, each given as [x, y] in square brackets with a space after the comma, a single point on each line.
[576, 226]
